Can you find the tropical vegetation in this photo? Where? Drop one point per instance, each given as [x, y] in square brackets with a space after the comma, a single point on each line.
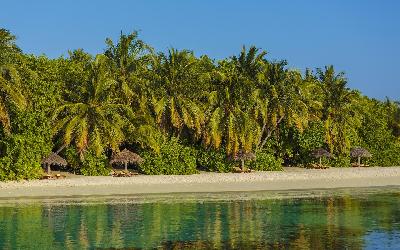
[181, 112]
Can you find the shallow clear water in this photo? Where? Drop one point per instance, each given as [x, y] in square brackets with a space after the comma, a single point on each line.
[339, 219]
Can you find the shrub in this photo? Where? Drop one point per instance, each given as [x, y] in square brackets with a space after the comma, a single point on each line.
[340, 161]
[378, 138]
[72, 158]
[95, 165]
[23, 150]
[313, 137]
[22, 158]
[173, 158]
[266, 162]
[384, 156]
[213, 160]
[90, 164]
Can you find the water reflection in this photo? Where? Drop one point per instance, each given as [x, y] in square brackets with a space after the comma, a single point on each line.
[326, 222]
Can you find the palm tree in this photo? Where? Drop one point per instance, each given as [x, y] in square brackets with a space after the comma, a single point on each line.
[250, 63]
[282, 100]
[232, 103]
[95, 119]
[176, 92]
[9, 79]
[129, 59]
[337, 110]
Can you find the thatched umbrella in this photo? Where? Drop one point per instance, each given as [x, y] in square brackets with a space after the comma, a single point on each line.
[53, 159]
[126, 157]
[244, 156]
[319, 153]
[358, 153]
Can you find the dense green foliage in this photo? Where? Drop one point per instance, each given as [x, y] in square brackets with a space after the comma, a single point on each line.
[180, 112]
[214, 160]
[266, 162]
[173, 158]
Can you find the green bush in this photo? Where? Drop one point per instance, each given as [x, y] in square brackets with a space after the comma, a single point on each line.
[23, 150]
[377, 137]
[173, 158]
[95, 165]
[22, 158]
[313, 137]
[266, 162]
[72, 158]
[90, 164]
[340, 161]
[386, 156]
[213, 160]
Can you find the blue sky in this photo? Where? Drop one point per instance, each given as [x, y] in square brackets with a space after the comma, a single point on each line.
[360, 37]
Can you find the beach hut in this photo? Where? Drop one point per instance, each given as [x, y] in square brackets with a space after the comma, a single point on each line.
[359, 153]
[126, 157]
[319, 153]
[53, 160]
[244, 156]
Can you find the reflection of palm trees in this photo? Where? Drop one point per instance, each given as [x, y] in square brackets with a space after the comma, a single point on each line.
[325, 223]
[83, 238]
[352, 216]
[331, 220]
[117, 239]
[217, 229]
[302, 241]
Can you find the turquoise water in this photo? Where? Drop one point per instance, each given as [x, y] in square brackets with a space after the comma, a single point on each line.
[340, 219]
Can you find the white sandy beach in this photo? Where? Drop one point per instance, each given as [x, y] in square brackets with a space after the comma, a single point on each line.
[290, 179]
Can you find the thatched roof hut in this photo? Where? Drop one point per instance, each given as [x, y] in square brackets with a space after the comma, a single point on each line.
[320, 152]
[360, 153]
[126, 157]
[53, 160]
[244, 156]
[241, 155]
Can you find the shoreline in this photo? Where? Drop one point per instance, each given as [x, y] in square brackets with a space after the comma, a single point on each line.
[292, 178]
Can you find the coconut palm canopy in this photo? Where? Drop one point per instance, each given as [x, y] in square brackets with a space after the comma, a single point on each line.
[359, 152]
[241, 155]
[126, 157]
[320, 152]
[54, 159]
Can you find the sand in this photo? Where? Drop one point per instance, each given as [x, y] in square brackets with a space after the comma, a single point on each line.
[289, 179]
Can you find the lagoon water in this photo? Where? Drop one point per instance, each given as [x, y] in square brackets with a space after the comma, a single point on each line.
[339, 219]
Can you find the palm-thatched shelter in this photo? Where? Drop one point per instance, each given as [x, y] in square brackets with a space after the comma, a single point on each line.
[360, 153]
[244, 156]
[319, 153]
[126, 157]
[53, 160]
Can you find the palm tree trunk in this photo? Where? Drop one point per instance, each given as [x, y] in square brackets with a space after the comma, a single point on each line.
[61, 148]
[320, 160]
[48, 168]
[269, 133]
[126, 167]
[242, 165]
[359, 161]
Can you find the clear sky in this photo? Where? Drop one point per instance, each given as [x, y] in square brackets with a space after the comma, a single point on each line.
[360, 37]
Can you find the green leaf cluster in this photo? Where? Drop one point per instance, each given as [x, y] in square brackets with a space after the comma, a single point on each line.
[173, 158]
